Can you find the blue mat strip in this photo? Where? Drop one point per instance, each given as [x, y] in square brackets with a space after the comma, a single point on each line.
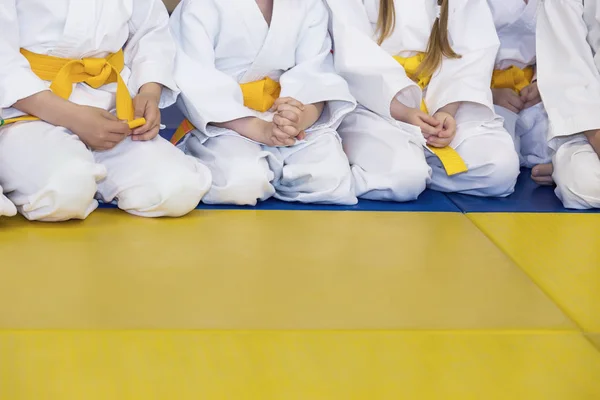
[528, 198]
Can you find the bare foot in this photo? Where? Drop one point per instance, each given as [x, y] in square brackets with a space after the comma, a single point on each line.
[542, 174]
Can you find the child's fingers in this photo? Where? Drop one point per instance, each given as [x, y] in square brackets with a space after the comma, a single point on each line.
[139, 106]
[301, 136]
[532, 103]
[290, 101]
[509, 107]
[516, 102]
[281, 134]
[152, 115]
[107, 115]
[543, 180]
[438, 142]
[427, 129]
[446, 133]
[289, 115]
[290, 112]
[429, 120]
[290, 131]
[542, 170]
[151, 134]
[542, 174]
[282, 121]
[118, 127]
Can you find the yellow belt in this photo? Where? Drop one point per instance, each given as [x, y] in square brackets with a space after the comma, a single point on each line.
[513, 78]
[95, 72]
[451, 160]
[259, 96]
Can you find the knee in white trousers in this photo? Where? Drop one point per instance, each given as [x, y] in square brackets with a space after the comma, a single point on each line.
[314, 171]
[244, 172]
[577, 175]
[164, 183]
[60, 177]
[489, 152]
[239, 168]
[68, 193]
[7, 208]
[47, 173]
[388, 162]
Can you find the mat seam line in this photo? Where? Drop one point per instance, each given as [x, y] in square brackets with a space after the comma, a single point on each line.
[529, 276]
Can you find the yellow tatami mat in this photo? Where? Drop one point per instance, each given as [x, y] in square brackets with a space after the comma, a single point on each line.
[167, 365]
[269, 270]
[595, 339]
[561, 253]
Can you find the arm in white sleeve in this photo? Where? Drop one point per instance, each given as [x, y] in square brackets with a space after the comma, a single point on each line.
[568, 77]
[467, 79]
[150, 50]
[207, 94]
[17, 80]
[373, 75]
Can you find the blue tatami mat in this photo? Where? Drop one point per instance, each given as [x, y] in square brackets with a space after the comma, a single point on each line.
[528, 198]
[429, 201]
[171, 117]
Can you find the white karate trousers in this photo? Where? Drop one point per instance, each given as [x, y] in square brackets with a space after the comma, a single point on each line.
[315, 170]
[389, 161]
[7, 208]
[529, 130]
[577, 174]
[50, 175]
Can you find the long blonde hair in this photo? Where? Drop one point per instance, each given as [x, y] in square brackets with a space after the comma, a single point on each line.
[438, 45]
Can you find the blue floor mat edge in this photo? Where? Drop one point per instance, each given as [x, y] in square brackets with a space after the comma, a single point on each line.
[528, 197]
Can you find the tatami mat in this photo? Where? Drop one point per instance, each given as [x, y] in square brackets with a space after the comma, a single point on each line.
[165, 365]
[265, 270]
[560, 252]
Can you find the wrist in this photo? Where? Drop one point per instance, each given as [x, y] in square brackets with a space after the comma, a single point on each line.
[310, 115]
[451, 109]
[398, 110]
[151, 89]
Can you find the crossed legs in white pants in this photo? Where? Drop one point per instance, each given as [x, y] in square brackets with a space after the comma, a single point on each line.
[50, 175]
[389, 161]
[315, 170]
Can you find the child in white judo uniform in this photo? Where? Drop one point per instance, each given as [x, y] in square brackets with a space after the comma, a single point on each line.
[262, 99]
[421, 72]
[568, 40]
[60, 148]
[514, 85]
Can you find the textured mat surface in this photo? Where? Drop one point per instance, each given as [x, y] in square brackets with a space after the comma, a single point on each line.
[560, 252]
[297, 365]
[265, 270]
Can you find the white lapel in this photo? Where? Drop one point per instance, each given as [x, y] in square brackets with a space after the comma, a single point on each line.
[256, 25]
[274, 49]
[79, 22]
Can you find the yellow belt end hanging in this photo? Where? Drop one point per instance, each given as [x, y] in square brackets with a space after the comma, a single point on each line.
[136, 123]
[451, 160]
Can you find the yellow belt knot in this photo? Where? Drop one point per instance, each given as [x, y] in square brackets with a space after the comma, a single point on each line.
[95, 72]
[514, 78]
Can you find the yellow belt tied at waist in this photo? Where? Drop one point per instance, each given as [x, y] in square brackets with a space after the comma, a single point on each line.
[513, 78]
[451, 160]
[95, 72]
[259, 96]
